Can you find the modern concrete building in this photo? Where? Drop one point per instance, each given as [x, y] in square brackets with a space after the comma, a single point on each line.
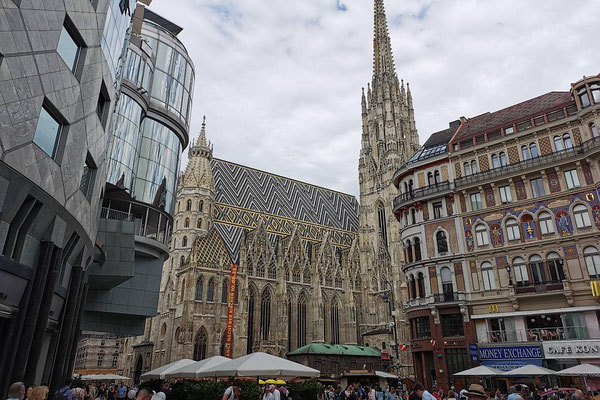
[151, 128]
[59, 76]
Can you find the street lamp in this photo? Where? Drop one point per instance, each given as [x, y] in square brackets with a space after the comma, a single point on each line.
[392, 306]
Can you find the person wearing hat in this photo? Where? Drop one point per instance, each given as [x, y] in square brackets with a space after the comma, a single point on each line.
[476, 392]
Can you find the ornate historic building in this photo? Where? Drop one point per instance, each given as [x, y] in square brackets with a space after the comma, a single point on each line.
[522, 213]
[313, 265]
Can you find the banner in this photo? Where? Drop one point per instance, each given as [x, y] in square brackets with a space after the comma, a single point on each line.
[230, 311]
[507, 358]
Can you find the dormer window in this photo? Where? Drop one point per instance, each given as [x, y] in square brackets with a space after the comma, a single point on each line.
[583, 97]
[509, 130]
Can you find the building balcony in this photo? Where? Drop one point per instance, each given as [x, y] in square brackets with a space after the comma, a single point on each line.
[539, 287]
[423, 193]
[438, 298]
[538, 334]
[575, 152]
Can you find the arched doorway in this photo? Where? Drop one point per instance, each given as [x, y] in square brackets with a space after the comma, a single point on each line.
[138, 370]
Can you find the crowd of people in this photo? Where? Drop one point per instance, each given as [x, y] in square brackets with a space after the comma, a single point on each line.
[100, 391]
[356, 391]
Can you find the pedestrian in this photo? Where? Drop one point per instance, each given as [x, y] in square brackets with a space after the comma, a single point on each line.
[379, 393]
[428, 396]
[476, 392]
[233, 391]
[392, 394]
[417, 392]
[122, 392]
[275, 392]
[268, 393]
[436, 393]
[39, 393]
[100, 392]
[29, 391]
[349, 394]
[166, 389]
[371, 392]
[64, 393]
[16, 391]
[451, 395]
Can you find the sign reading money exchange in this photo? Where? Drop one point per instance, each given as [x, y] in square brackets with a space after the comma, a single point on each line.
[509, 358]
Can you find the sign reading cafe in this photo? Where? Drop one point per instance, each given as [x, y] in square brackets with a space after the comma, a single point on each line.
[572, 349]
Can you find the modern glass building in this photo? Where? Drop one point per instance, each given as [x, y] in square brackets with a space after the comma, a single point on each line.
[151, 128]
[60, 66]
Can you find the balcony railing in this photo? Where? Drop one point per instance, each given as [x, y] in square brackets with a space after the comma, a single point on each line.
[539, 287]
[421, 193]
[435, 298]
[532, 163]
[538, 334]
[107, 213]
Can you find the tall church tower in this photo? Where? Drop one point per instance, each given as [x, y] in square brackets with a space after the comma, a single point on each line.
[389, 139]
[195, 198]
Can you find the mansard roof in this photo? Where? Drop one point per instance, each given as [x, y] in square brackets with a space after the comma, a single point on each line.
[246, 196]
[531, 108]
[436, 145]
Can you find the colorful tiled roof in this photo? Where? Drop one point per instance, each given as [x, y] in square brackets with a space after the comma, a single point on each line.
[246, 196]
[498, 119]
[335, 349]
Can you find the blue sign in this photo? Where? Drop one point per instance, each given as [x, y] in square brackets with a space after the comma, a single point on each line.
[509, 358]
[473, 352]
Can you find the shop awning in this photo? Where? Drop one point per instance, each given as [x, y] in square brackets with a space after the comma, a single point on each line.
[581, 370]
[482, 370]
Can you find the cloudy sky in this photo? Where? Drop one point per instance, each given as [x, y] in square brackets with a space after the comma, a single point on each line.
[280, 81]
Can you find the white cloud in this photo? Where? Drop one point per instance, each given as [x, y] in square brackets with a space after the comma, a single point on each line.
[280, 81]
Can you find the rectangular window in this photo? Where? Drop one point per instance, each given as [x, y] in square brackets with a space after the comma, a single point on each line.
[509, 130]
[452, 325]
[572, 179]
[554, 115]
[537, 187]
[47, 132]
[539, 120]
[505, 194]
[521, 126]
[489, 281]
[476, 203]
[68, 49]
[422, 327]
[437, 210]
[456, 360]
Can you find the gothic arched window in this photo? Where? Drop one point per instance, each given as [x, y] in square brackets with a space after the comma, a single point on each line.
[430, 178]
[265, 314]
[189, 206]
[436, 177]
[442, 242]
[260, 268]
[184, 241]
[301, 339]
[210, 291]
[272, 270]
[200, 205]
[200, 345]
[199, 288]
[338, 280]
[296, 273]
[225, 291]
[187, 223]
[249, 266]
[335, 323]
[199, 223]
[306, 275]
[251, 299]
[328, 279]
[182, 291]
[182, 260]
[382, 223]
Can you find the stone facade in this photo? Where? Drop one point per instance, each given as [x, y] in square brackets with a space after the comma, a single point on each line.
[97, 354]
[313, 266]
[522, 237]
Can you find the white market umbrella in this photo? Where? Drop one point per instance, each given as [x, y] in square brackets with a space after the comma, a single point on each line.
[581, 370]
[192, 370]
[530, 370]
[106, 377]
[160, 372]
[482, 370]
[260, 365]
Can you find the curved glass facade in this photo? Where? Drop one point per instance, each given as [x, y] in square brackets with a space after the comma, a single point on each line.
[113, 36]
[124, 152]
[159, 152]
[137, 70]
[172, 86]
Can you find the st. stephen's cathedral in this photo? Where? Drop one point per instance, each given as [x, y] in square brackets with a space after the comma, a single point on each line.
[314, 264]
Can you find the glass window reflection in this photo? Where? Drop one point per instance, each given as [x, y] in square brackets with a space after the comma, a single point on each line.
[67, 49]
[47, 133]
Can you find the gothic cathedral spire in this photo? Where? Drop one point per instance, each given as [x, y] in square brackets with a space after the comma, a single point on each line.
[389, 134]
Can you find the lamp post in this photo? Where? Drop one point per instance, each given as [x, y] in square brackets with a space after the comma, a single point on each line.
[392, 305]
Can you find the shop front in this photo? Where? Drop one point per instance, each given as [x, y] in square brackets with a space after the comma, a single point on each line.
[507, 358]
[559, 355]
